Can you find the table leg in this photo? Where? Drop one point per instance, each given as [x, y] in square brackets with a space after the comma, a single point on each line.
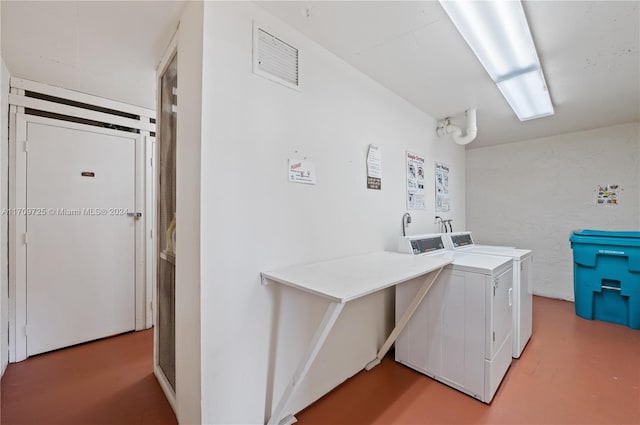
[329, 319]
[400, 324]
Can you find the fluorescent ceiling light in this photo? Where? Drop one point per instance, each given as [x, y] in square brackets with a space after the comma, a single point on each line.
[498, 33]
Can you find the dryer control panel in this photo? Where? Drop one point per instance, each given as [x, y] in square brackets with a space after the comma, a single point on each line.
[461, 239]
[421, 244]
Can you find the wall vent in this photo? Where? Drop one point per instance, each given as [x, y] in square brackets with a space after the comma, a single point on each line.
[275, 59]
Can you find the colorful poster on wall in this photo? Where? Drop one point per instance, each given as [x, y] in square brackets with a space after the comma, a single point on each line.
[374, 168]
[608, 194]
[443, 199]
[415, 182]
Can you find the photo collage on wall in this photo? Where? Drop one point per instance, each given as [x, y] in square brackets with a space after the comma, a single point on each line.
[608, 194]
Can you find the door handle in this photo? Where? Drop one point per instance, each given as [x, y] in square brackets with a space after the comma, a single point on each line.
[510, 297]
[134, 215]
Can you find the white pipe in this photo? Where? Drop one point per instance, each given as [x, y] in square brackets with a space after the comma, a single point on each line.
[456, 132]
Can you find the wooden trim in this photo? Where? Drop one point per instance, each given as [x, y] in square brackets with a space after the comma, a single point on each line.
[78, 126]
[11, 236]
[166, 387]
[73, 111]
[169, 52]
[150, 220]
[81, 97]
[140, 240]
[19, 225]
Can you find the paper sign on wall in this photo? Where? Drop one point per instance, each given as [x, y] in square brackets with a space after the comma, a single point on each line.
[302, 171]
[415, 182]
[443, 199]
[608, 194]
[374, 167]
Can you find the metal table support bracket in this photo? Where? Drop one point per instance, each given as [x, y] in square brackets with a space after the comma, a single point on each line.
[335, 280]
[330, 316]
[400, 325]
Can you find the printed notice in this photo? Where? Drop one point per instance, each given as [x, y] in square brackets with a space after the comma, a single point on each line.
[442, 188]
[374, 168]
[608, 194]
[302, 171]
[415, 182]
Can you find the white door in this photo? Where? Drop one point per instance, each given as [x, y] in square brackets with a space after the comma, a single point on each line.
[525, 307]
[80, 241]
[501, 311]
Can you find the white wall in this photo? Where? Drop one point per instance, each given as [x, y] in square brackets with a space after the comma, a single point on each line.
[188, 215]
[252, 219]
[533, 193]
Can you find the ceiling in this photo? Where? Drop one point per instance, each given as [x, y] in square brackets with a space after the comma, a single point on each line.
[105, 48]
[588, 51]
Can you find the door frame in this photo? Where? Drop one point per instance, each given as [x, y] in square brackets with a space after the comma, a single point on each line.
[168, 55]
[17, 224]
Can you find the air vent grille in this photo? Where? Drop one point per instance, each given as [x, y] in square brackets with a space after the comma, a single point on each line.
[276, 58]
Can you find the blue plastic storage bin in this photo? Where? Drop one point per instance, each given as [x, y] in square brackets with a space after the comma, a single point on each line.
[606, 276]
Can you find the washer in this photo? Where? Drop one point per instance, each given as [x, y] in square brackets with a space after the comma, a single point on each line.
[522, 282]
[460, 334]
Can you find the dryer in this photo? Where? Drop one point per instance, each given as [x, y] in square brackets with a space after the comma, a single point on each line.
[522, 282]
[460, 334]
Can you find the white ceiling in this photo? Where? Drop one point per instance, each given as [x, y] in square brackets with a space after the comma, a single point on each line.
[588, 50]
[105, 48]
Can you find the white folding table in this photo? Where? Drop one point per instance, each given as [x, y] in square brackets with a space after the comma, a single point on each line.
[343, 280]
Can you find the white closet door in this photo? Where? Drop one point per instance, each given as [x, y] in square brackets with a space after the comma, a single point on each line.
[81, 245]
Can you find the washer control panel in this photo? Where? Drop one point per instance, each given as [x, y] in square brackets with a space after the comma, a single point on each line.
[463, 239]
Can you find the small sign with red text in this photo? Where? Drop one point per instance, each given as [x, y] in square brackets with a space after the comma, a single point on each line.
[302, 171]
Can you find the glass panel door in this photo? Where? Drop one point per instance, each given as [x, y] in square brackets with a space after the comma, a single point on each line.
[166, 331]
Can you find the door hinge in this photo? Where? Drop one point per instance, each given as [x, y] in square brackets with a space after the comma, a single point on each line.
[151, 162]
[150, 234]
[25, 330]
[494, 337]
[521, 266]
[26, 146]
[494, 291]
[26, 240]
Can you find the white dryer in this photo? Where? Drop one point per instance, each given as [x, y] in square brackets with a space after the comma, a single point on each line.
[522, 282]
[460, 334]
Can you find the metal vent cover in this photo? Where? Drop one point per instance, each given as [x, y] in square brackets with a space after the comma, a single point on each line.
[275, 59]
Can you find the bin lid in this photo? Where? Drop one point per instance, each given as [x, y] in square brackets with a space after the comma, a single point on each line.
[607, 233]
[604, 237]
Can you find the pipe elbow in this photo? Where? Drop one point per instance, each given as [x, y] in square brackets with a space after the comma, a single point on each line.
[446, 128]
[467, 138]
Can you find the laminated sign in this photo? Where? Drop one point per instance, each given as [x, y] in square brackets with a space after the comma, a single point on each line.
[443, 201]
[302, 171]
[374, 168]
[415, 182]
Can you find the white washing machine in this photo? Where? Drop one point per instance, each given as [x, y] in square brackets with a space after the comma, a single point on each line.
[522, 282]
[460, 334]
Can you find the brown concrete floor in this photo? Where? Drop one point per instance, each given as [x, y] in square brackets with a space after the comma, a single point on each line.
[108, 382]
[573, 371]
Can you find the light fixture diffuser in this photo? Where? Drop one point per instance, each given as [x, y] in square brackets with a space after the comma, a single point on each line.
[498, 33]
